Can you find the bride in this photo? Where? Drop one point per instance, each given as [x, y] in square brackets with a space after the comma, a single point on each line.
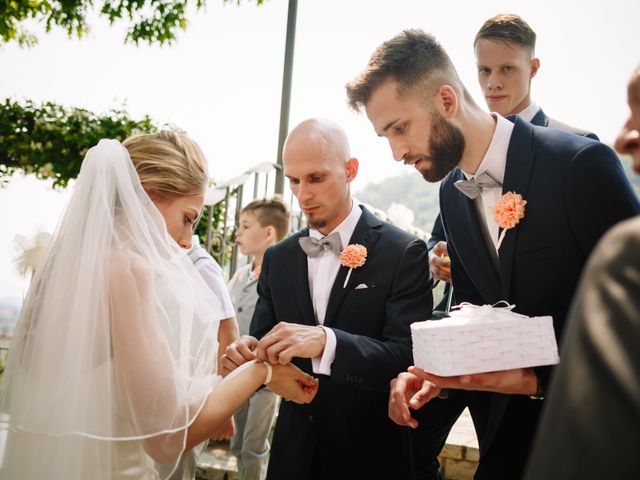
[112, 366]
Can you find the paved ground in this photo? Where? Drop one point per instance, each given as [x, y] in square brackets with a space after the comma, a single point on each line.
[459, 457]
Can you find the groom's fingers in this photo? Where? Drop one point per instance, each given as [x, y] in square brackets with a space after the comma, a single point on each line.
[425, 394]
[287, 340]
[515, 381]
[400, 390]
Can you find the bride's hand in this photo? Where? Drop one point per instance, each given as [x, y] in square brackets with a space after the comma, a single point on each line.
[293, 384]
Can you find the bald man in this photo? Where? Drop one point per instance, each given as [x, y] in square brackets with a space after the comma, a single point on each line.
[351, 330]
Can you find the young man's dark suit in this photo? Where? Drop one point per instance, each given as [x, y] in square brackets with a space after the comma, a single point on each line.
[345, 432]
[437, 419]
[575, 190]
[540, 119]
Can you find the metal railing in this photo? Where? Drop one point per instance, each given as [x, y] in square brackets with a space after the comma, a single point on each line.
[231, 196]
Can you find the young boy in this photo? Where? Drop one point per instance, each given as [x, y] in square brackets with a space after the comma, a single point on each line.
[262, 224]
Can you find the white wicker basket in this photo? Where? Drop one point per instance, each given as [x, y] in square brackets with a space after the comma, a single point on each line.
[483, 339]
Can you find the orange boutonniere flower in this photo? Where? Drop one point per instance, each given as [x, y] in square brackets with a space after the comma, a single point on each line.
[507, 212]
[353, 256]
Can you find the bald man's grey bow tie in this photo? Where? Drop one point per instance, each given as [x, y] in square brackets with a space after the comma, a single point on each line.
[472, 188]
[313, 247]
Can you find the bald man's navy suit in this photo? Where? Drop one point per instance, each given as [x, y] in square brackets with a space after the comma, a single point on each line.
[345, 432]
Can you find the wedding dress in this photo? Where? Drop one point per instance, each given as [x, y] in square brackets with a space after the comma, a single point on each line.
[115, 346]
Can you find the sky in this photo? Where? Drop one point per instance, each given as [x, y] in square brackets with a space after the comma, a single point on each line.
[221, 82]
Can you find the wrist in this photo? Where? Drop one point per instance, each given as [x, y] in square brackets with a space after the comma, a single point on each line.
[538, 393]
[269, 368]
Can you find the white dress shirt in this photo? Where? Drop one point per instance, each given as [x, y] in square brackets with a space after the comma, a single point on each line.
[213, 276]
[323, 270]
[494, 161]
[529, 112]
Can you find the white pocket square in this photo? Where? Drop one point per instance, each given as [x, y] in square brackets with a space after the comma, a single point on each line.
[362, 285]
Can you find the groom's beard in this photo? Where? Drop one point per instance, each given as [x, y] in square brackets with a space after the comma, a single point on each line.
[446, 146]
[317, 224]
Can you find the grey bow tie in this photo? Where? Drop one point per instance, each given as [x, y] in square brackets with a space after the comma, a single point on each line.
[313, 247]
[471, 188]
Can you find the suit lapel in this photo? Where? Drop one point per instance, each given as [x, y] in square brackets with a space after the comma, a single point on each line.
[540, 119]
[464, 231]
[365, 234]
[300, 273]
[520, 159]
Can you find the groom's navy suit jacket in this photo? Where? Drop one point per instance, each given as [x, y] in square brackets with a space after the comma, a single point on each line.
[338, 434]
[540, 119]
[575, 190]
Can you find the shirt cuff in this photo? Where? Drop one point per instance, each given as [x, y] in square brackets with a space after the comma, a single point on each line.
[322, 365]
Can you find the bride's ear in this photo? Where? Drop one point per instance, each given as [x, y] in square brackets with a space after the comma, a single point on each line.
[155, 196]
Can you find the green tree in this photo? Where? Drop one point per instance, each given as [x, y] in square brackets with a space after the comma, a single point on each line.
[51, 141]
[151, 21]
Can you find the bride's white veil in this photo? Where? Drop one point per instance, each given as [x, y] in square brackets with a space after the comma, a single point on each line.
[115, 346]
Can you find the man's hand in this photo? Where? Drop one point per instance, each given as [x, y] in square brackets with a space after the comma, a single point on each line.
[293, 384]
[239, 352]
[288, 340]
[409, 391]
[439, 263]
[518, 381]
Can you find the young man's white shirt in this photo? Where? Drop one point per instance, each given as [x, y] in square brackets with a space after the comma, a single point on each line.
[494, 161]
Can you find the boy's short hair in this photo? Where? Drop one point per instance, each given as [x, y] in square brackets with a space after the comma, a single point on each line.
[271, 212]
[510, 28]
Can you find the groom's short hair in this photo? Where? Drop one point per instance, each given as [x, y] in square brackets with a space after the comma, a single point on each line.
[414, 59]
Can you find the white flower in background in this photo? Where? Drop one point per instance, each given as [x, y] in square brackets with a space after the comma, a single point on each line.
[401, 216]
[30, 251]
[46, 171]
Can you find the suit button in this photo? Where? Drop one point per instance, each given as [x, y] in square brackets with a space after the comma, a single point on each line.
[239, 309]
[310, 418]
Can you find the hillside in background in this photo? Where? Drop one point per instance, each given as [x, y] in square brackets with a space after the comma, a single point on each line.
[633, 177]
[410, 190]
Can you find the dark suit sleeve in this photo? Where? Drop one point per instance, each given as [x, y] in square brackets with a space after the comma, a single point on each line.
[592, 136]
[264, 317]
[371, 362]
[437, 233]
[590, 428]
[598, 195]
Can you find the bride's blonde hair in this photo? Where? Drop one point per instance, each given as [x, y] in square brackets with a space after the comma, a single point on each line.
[169, 164]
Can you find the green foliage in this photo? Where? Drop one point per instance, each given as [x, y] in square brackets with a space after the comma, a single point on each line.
[51, 140]
[151, 21]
